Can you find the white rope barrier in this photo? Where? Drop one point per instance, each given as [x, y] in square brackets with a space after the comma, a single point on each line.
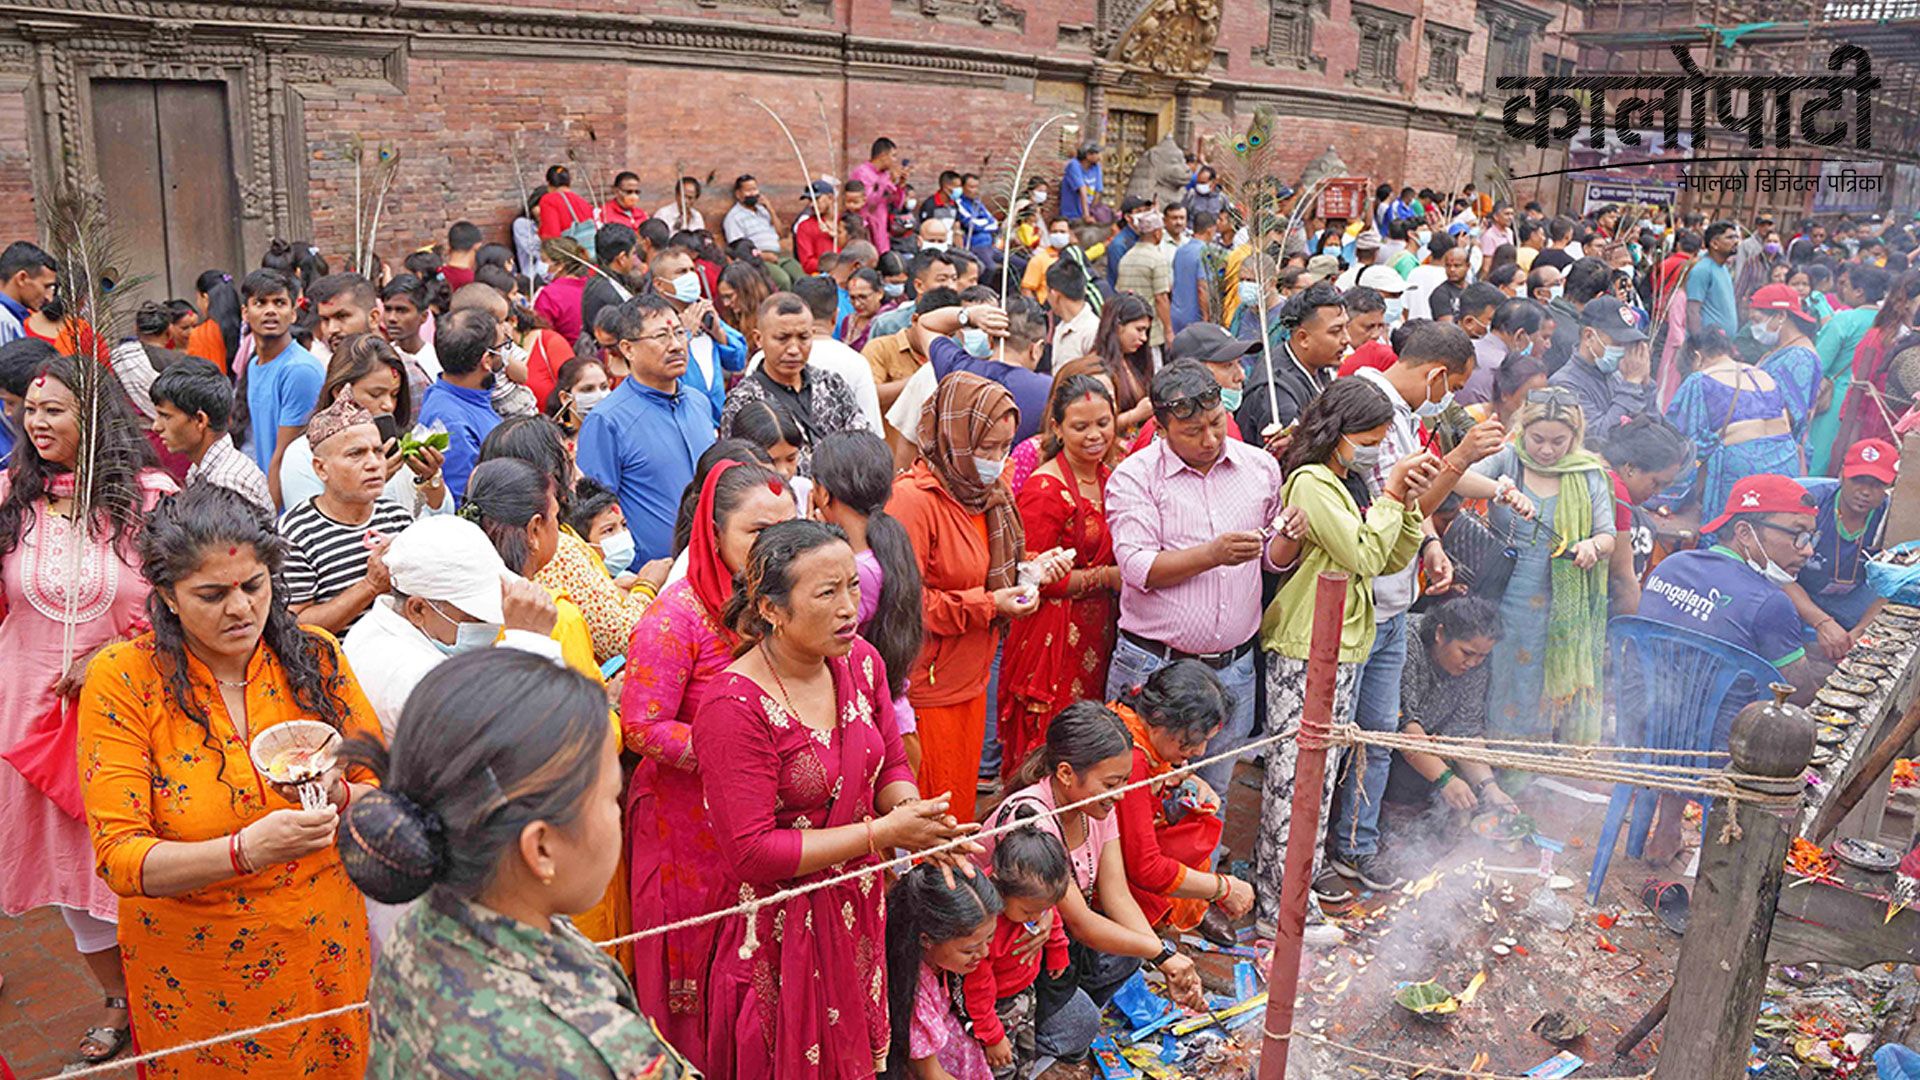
[1705, 781]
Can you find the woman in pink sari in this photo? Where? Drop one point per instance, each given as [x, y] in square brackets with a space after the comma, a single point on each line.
[816, 784]
[679, 647]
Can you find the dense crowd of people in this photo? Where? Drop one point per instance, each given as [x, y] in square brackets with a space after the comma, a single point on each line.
[646, 569]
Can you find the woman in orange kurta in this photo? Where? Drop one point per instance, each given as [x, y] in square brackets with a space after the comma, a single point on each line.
[234, 909]
[966, 533]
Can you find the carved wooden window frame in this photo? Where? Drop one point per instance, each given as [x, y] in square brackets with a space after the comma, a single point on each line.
[1446, 46]
[1290, 35]
[1377, 54]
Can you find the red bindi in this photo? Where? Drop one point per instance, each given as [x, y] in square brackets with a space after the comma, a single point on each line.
[232, 551]
[41, 381]
[774, 486]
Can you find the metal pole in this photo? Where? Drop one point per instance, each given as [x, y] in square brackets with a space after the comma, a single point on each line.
[1310, 771]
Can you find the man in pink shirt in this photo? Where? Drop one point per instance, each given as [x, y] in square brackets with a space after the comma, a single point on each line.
[1192, 517]
[1499, 229]
[885, 182]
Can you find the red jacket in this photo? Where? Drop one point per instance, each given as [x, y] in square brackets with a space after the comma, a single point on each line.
[615, 214]
[1002, 974]
[556, 217]
[810, 242]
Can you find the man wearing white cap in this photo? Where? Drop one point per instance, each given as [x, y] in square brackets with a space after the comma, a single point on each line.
[451, 593]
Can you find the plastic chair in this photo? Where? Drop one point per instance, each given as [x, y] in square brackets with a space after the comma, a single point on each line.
[1673, 689]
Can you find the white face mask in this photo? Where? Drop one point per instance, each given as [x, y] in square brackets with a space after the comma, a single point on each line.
[1394, 306]
[1059, 240]
[1423, 237]
[933, 245]
[1772, 571]
[616, 550]
[1429, 409]
[1203, 189]
[1039, 196]
[988, 469]
[585, 400]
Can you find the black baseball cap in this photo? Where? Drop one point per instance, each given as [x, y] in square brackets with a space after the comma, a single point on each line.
[1612, 318]
[1209, 344]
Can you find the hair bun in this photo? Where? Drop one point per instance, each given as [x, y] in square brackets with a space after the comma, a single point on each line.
[392, 848]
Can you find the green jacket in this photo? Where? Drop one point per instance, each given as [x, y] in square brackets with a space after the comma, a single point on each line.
[464, 991]
[1338, 538]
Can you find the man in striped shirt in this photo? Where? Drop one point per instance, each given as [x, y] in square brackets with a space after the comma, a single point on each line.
[333, 573]
[192, 401]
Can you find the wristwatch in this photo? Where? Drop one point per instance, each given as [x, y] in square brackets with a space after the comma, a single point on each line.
[965, 319]
[1167, 952]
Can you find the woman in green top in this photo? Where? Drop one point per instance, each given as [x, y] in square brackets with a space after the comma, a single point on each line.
[1553, 615]
[500, 802]
[1328, 467]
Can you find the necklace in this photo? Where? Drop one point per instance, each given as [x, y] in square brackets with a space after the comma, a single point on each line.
[778, 682]
[231, 684]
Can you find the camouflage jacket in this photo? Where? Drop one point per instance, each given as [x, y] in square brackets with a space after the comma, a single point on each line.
[461, 991]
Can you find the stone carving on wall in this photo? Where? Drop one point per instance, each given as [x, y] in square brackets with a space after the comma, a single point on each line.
[1445, 48]
[1381, 32]
[992, 13]
[1172, 37]
[1160, 174]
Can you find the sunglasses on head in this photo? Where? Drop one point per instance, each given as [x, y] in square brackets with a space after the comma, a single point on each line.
[1558, 399]
[1185, 408]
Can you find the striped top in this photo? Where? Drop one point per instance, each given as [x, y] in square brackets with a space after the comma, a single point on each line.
[325, 557]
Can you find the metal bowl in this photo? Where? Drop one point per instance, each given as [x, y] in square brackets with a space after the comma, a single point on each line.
[1858, 667]
[1865, 854]
[1827, 714]
[1829, 736]
[1839, 699]
[1849, 684]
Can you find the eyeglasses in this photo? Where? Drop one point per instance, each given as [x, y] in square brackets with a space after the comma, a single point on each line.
[1802, 538]
[677, 333]
[1185, 408]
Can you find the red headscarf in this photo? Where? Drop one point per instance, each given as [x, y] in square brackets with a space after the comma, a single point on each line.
[712, 581]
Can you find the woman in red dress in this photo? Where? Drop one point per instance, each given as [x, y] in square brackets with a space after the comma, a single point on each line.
[1059, 654]
[815, 784]
[680, 646]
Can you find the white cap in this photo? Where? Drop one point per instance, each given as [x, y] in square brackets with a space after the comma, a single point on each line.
[1384, 279]
[448, 559]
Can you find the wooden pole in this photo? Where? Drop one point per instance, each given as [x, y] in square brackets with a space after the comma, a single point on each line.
[1310, 772]
[1722, 973]
[1872, 771]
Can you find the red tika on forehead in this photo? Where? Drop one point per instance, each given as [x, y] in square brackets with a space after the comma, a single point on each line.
[232, 551]
[775, 487]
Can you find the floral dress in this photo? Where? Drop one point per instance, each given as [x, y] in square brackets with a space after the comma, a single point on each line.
[674, 863]
[288, 939]
[938, 1031]
[798, 993]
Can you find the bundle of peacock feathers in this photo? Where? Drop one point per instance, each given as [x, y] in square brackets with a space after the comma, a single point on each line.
[93, 293]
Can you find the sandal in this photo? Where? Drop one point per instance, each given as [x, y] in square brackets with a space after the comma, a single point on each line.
[1670, 901]
[105, 1043]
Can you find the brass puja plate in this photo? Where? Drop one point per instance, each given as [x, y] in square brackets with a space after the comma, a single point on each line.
[1858, 666]
[1827, 714]
[1829, 736]
[1839, 699]
[1848, 684]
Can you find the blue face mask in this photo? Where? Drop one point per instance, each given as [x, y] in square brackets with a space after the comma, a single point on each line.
[974, 340]
[467, 636]
[1249, 293]
[1610, 358]
[686, 287]
[894, 288]
[988, 469]
[616, 550]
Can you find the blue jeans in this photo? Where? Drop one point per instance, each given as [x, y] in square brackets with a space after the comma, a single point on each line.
[1132, 665]
[1376, 707]
[990, 748]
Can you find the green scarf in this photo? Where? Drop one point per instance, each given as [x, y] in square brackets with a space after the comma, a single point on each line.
[1577, 604]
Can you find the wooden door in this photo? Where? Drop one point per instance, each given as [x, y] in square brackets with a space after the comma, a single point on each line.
[1129, 135]
[165, 159]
